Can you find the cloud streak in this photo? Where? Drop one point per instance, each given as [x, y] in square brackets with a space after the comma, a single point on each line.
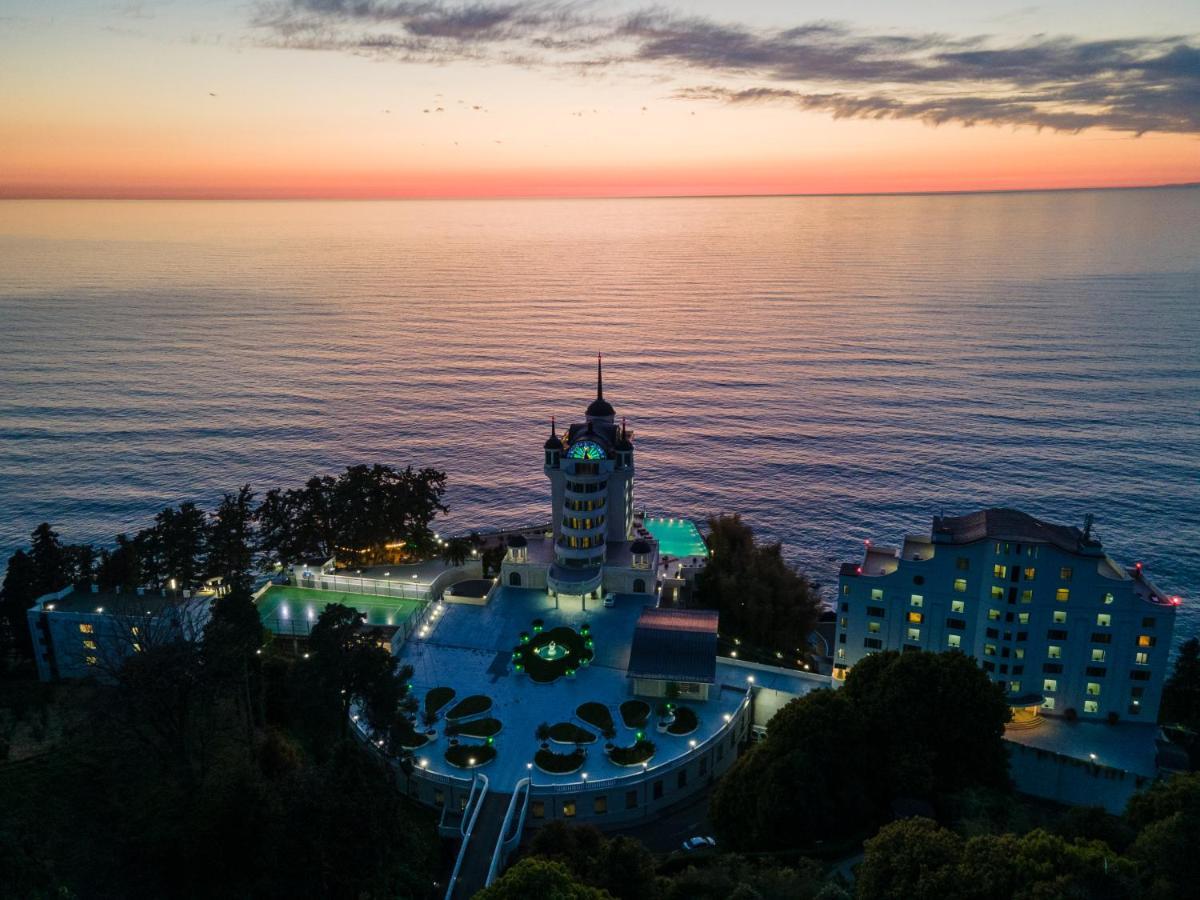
[1136, 84]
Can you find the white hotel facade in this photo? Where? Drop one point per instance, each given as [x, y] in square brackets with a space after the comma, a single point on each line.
[1064, 629]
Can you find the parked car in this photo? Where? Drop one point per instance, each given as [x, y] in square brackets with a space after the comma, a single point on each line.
[610, 600]
[699, 843]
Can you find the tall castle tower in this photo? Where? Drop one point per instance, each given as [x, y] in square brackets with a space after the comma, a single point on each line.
[591, 486]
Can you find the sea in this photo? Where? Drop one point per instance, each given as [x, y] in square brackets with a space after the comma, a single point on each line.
[834, 369]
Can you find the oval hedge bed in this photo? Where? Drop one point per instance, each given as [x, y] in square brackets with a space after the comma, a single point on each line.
[438, 698]
[476, 728]
[685, 722]
[635, 713]
[406, 736]
[474, 705]
[544, 671]
[460, 756]
[632, 756]
[570, 733]
[596, 715]
[559, 763]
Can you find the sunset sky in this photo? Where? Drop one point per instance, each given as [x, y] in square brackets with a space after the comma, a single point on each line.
[386, 98]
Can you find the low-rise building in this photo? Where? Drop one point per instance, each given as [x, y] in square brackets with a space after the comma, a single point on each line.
[90, 633]
[1043, 609]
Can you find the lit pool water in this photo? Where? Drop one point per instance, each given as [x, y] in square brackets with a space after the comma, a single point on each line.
[676, 537]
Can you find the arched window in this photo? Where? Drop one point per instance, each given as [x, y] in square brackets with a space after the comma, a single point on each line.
[639, 585]
[515, 579]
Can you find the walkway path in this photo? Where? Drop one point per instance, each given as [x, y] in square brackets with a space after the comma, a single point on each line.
[482, 845]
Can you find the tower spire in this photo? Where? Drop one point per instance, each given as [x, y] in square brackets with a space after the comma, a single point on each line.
[552, 429]
[599, 376]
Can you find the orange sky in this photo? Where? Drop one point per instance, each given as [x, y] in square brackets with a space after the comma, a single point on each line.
[151, 109]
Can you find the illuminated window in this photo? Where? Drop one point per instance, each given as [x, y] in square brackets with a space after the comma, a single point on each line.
[134, 631]
[1050, 684]
[90, 645]
[1097, 655]
[953, 641]
[916, 618]
[1023, 618]
[917, 600]
[137, 648]
[1053, 652]
[1065, 573]
[1145, 640]
[91, 660]
[1093, 689]
[845, 588]
[841, 653]
[86, 628]
[1059, 617]
[842, 622]
[960, 585]
[1062, 595]
[989, 649]
[999, 571]
[537, 807]
[873, 628]
[1142, 658]
[568, 809]
[1014, 687]
[1108, 598]
[993, 615]
[997, 593]
[876, 593]
[914, 634]
[958, 606]
[1026, 596]
[1019, 652]
[600, 805]
[1103, 619]
[1091, 706]
[1048, 703]
[1030, 573]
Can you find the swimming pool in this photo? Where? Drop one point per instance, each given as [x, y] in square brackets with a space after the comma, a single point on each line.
[676, 537]
[285, 609]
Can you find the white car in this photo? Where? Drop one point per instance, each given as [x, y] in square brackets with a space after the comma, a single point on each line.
[610, 600]
[699, 843]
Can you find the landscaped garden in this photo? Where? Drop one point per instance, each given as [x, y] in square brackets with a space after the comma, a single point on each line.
[559, 763]
[570, 733]
[597, 715]
[476, 728]
[406, 736]
[685, 721]
[474, 705]
[639, 753]
[470, 756]
[635, 713]
[546, 656]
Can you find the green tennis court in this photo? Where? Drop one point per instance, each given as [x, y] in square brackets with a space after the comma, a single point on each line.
[294, 610]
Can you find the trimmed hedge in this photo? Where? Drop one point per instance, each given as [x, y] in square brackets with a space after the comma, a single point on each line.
[685, 722]
[474, 705]
[438, 698]
[461, 755]
[635, 713]
[597, 715]
[570, 733]
[476, 728]
[632, 756]
[559, 763]
[406, 736]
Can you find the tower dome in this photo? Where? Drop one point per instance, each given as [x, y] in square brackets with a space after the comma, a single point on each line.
[600, 408]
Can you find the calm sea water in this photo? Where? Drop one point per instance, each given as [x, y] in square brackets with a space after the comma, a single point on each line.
[832, 368]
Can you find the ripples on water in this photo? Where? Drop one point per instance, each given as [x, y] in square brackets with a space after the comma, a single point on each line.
[832, 368]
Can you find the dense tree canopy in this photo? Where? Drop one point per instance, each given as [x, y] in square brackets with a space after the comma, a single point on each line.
[912, 726]
[762, 600]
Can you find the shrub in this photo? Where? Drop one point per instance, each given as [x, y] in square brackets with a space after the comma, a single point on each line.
[632, 756]
[461, 755]
[685, 721]
[596, 714]
[570, 733]
[476, 728]
[559, 763]
[436, 699]
[634, 713]
[470, 706]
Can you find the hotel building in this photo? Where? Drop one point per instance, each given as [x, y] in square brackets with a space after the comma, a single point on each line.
[1064, 629]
